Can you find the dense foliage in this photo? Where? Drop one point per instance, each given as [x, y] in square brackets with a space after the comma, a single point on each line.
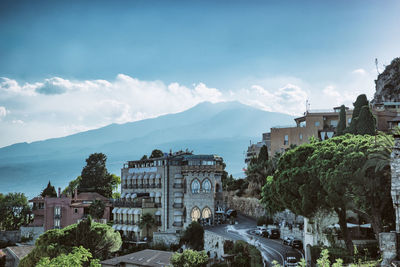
[193, 236]
[245, 254]
[362, 121]
[147, 222]
[333, 175]
[49, 191]
[189, 258]
[156, 153]
[96, 209]
[78, 257]
[14, 211]
[99, 239]
[342, 121]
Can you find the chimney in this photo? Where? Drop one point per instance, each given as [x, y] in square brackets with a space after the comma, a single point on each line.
[76, 194]
[59, 192]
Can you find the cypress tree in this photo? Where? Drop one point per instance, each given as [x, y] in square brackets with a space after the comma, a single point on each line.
[49, 191]
[360, 102]
[342, 121]
[366, 122]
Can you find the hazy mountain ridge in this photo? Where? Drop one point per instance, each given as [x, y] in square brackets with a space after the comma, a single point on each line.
[223, 128]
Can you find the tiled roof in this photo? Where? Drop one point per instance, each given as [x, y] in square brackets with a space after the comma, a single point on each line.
[147, 257]
[20, 251]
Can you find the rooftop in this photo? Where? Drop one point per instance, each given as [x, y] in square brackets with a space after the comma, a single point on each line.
[147, 257]
[20, 251]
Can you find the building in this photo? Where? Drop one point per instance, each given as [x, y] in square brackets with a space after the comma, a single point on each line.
[387, 115]
[319, 124]
[61, 211]
[176, 189]
[147, 257]
[254, 149]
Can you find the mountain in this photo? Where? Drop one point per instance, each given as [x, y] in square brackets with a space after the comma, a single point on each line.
[223, 128]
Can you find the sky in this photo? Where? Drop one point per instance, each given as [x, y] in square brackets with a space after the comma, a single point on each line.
[71, 66]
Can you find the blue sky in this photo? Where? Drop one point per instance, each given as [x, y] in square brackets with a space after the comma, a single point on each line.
[323, 51]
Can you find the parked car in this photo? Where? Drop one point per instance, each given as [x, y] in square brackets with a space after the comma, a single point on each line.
[273, 233]
[290, 261]
[296, 243]
[231, 213]
[287, 240]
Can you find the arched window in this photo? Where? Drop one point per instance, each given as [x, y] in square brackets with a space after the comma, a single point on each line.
[195, 214]
[206, 186]
[206, 213]
[195, 186]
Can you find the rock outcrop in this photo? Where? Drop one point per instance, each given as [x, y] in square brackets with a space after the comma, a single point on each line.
[388, 84]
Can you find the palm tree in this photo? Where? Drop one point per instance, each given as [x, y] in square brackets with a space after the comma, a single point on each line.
[147, 221]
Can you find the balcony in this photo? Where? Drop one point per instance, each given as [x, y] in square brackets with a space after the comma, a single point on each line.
[141, 186]
[124, 186]
[178, 224]
[157, 205]
[130, 186]
[153, 186]
[134, 186]
[202, 168]
[177, 205]
[146, 186]
[158, 185]
[178, 186]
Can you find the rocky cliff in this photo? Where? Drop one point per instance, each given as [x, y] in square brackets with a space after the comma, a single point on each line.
[247, 205]
[388, 83]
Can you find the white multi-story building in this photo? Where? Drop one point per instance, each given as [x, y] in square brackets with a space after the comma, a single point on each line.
[176, 189]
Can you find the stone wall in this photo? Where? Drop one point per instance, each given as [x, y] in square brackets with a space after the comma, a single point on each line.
[214, 244]
[388, 245]
[165, 238]
[10, 236]
[248, 206]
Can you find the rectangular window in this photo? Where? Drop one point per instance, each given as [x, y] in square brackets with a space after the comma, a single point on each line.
[57, 210]
[301, 136]
[349, 121]
[75, 210]
[286, 140]
[316, 124]
[334, 123]
[57, 223]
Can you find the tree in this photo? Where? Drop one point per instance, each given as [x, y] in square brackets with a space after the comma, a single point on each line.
[49, 191]
[189, 258]
[361, 101]
[156, 153]
[96, 209]
[144, 157]
[78, 257]
[193, 236]
[74, 184]
[14, 210]
[342, 121]
[95, 177]
[366, 123]
[147, 221]
[99, 239]
[245, 254]
[326, 176]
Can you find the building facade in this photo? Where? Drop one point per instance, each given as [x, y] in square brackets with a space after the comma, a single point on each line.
[319, 124]
[254, 149]
[61, 211]
[176, 189]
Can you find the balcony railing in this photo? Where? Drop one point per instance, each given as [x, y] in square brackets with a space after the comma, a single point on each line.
[153, 186]
[157, 205]
[134, 186]
[57, 216]
[178, 205]
[179, 186]
[178, 224]
[124, 186]
[158, 185]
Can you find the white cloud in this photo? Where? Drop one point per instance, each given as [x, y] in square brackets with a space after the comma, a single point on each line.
[359, 71]
[57, 107]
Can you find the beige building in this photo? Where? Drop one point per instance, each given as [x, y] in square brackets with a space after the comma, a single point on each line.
[254, 149]
[319, 124]
[176, 189]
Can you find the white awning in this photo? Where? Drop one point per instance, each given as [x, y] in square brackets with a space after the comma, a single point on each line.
[152, 176]
[128, 195]
[115, 210]
[134, 176]
[178, 213]
[130, 211]
[133, 195]
[119, 227]
[124, 228]
[130, 228]
[136, 229]
[158, 194]
[367, 225]
[124, 211]
[178, 176]
[114, 226]
[137, 211]
[140, 176]
[158, 175]
[152, 194]
[146, 176]
[158, 212]
[123, 195]
[178, 194]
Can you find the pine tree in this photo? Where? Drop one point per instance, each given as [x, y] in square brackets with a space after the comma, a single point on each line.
[49, 191]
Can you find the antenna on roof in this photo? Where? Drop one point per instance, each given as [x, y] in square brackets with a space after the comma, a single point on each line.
[376, 65]
[307, 105]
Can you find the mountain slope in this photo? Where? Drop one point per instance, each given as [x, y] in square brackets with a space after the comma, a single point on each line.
[223, 128]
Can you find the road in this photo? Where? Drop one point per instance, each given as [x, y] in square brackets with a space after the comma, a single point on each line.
[271, 249]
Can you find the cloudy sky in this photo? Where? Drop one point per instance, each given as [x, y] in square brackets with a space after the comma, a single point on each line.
[67, 68]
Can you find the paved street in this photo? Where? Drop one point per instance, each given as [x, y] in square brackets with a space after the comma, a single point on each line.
[271, 249]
